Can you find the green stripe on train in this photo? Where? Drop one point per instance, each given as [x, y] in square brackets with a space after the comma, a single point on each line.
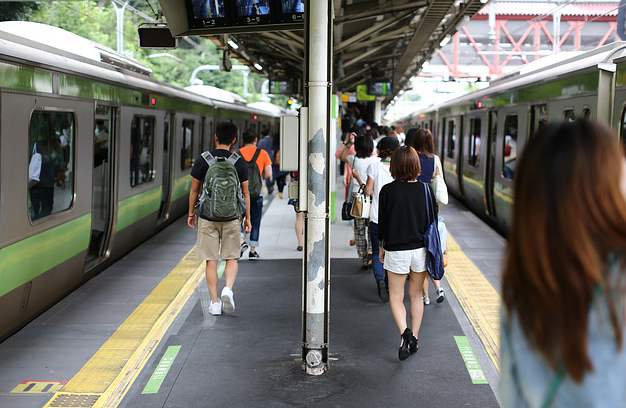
[182, 186]
[137, 207]
[29, 258]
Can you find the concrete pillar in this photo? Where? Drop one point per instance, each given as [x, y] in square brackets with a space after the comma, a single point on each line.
[316, 268]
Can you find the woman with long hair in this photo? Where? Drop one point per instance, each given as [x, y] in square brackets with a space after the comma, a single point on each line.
[404, 214]
[562, 327]
[379, 174]
[430, 166]
[360, 161]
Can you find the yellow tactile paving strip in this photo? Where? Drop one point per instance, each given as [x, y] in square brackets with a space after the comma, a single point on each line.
[479, 299]
[106, 377]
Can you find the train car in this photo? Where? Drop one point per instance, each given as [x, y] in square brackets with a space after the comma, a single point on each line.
[480, 135]
[95, 157]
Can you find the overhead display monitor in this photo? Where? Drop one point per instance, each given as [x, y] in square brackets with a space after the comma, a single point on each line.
[207, 13]
[292, 10]
[282, 86]
[379, 87]
[207, 17]
[250, 12]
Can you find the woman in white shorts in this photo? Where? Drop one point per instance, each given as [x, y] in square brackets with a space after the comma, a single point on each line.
[402, 221]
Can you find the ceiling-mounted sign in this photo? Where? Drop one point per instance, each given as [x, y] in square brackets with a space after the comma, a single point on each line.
[362, 95]
[282, 86]
[379, 87]
[206, 17]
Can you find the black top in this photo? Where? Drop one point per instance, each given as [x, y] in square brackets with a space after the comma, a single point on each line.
[200, 166]
[402, 216]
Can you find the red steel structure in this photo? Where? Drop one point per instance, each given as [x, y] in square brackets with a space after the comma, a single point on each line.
[504, 35]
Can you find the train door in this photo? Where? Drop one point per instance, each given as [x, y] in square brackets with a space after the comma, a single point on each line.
[460, 153]
[492, 131]
[102, 184]
[538, 118]
[167, 168]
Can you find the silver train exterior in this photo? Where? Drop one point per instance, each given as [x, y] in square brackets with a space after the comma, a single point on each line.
[117, 147]
[479, 135]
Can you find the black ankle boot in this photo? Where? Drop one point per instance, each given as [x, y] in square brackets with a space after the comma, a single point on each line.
[413, 345]
[404, 353]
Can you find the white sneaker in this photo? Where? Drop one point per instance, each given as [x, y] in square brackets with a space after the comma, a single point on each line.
[227, 300]
[426, 300]
[440, 295]
[216, 308]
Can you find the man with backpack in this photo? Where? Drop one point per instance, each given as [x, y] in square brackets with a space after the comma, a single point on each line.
[259, 167]
[218, 199]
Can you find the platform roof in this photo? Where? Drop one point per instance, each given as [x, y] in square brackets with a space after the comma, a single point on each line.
[388, 39]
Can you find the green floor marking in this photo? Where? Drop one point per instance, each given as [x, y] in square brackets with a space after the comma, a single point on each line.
[221, 267]
[155, 382]
[471, 363]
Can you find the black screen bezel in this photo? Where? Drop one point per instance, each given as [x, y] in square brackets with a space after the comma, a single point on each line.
[203, 22]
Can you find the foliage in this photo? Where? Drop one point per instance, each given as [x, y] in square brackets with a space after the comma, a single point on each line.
[96, 21]
[17, 10]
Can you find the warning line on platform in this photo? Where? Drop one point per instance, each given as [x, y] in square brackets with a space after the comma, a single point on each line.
[160, 372]
[107, 376]
[477, 297]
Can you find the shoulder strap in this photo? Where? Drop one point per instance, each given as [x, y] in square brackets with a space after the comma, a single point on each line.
[233, 158]
[208, 157]
[428, 203]
[256, 156]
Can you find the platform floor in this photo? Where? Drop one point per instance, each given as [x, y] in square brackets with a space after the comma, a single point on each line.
[252, 358]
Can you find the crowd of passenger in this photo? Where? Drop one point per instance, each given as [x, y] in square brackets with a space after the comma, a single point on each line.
[563, 290]
[393, 172]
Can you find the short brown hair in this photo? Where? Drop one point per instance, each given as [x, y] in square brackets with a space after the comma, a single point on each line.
[405, 164]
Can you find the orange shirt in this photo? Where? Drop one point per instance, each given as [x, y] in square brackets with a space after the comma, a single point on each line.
[262, 161]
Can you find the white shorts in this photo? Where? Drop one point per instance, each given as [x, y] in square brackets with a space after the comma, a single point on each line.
[403, 262]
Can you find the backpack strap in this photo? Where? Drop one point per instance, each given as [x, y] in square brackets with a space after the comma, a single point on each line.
[256, 155]
[208, 157]
[233, 158]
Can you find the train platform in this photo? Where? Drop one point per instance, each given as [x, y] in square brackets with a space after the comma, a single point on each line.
[139, 334]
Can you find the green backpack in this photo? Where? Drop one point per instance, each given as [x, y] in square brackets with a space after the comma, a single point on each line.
[222, 199]
[255, 182]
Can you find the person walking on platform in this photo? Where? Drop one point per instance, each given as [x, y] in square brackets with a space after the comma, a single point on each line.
[562, 341]
[430, 166]
[379, 174]
[404, 209]
[279, 176]
[364, 148]
[266, 144]
[259, 167]
[220, 180]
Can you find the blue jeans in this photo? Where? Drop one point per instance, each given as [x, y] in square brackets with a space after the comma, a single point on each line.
[379, 271]
[256, 211]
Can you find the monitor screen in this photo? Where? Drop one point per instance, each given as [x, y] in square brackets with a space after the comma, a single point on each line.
[379, 87]
[203, 9]
[281, 86]
[252, 8]
[292, 6]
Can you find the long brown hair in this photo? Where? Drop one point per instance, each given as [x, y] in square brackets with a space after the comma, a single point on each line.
[569, 216]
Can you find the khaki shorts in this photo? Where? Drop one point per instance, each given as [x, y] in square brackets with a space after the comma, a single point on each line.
[218, 240]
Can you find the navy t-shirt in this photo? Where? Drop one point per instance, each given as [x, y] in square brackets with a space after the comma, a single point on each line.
[427, 164]
[200, 166]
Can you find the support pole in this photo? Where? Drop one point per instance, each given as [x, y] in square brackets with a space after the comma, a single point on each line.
[119, 14]
[316, 267]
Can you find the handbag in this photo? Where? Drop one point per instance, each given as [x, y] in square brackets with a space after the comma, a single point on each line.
[361, 204]
[34, 167]
[432, 241]
[346, 211]
[439, 184]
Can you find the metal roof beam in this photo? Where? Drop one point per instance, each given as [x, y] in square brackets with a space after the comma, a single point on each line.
[353, 75]
[364, 55]
[381, 10]
[387, 23]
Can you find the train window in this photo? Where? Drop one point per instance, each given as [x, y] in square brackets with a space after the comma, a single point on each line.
[474, 139]
[586, 113]
[141, 150]
[52, 139]
[622, 131]
[569, 115]
[539, 114]
[451, 139]
[510, 146]
[186, 149]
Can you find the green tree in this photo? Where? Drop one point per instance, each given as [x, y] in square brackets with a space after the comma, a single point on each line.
[17, 10]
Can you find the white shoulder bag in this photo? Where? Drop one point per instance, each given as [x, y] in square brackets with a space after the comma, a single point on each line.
[439, 184]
